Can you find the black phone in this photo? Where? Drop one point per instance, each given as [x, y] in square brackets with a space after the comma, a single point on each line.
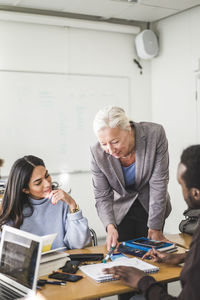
[65, 276]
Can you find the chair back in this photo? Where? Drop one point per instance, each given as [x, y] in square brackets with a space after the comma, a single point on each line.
[94, 237]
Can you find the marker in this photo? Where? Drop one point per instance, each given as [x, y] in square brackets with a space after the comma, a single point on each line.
[55, 282]
[110, 252]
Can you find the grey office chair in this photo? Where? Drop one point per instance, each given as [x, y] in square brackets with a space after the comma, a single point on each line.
[93, 236]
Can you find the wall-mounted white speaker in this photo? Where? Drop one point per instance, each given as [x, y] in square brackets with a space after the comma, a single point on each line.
[146, 44]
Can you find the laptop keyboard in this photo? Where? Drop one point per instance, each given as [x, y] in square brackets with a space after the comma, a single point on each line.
[8, 294]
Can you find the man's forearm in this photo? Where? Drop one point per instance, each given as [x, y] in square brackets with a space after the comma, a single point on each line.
[175, 259]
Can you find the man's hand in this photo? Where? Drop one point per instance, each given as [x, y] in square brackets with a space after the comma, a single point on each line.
[157, 235]
[112, 237]
[167, 258]
[157, 256]
[129, 275]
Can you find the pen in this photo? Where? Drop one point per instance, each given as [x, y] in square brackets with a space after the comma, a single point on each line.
[110, 252]
[55, 282]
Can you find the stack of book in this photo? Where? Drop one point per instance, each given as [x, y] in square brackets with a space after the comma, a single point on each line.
[146, 244]
[52, 260]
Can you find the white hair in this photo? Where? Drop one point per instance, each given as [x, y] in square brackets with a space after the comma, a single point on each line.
[112, 117]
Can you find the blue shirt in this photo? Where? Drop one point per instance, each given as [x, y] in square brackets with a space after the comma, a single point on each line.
[129, 174]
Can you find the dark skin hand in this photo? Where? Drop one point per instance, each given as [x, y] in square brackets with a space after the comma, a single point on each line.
[129, 275]
[167, 258]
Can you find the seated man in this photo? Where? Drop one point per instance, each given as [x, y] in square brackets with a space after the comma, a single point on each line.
[189, 178]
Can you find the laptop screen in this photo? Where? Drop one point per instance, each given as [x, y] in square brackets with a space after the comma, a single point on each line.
[18, 258]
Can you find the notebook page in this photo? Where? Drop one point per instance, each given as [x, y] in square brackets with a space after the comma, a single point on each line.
[95, 271]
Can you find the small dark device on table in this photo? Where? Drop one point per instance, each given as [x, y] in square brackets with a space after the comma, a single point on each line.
[87, 256]
[70, 266]
[65, 276]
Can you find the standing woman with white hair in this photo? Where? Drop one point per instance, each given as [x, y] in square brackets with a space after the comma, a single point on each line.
[130, 176]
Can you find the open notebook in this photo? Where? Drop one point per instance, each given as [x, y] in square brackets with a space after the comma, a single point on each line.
[95, 271]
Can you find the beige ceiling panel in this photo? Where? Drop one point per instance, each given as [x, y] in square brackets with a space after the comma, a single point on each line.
[8, 2]
[173, 4]
[104, 8]
[56, 5]
[144, 10]
[144, 13]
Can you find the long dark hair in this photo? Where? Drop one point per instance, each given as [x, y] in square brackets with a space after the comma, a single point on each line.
[14, 198]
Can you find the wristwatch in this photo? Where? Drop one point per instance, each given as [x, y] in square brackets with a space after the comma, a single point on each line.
[74, 210]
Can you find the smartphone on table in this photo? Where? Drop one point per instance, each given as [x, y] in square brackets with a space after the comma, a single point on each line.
[65, 276]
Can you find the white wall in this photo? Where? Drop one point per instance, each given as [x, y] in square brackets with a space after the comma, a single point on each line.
[43, 48]
[173, 94]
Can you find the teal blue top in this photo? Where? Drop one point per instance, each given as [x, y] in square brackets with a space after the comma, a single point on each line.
[129, 174]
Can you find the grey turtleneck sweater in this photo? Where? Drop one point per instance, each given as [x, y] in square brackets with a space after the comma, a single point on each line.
[72, 229]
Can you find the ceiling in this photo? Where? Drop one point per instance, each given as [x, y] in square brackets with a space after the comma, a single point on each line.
[106, 10]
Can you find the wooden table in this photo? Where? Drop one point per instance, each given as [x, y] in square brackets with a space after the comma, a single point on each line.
[180, 239]
[87, 288]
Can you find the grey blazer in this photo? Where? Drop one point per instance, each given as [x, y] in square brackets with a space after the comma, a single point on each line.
[113, 200]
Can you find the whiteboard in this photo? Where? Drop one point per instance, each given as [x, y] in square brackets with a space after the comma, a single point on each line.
[50, 116]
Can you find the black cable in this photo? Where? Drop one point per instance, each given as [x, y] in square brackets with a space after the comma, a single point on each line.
[138, 64]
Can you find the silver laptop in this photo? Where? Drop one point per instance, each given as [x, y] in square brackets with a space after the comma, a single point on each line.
[20, 253]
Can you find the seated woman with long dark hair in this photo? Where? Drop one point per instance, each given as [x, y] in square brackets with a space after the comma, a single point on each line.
[30, 203]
